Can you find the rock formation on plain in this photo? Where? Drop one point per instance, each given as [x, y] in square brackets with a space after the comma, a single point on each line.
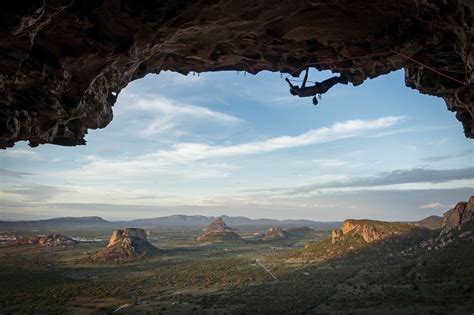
[126, 244]
[50, 240]
[218, 231]
[370, 230]
[274, 233]
[456, 217]
[63, 63]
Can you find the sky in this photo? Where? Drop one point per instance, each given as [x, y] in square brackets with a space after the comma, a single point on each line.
[229, 143]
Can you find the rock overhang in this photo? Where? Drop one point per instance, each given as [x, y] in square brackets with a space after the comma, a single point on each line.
[64, 62]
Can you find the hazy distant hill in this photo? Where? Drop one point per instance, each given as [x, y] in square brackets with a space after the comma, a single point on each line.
[433, 222]
[173, 221]
[57, 223]
[201, 221]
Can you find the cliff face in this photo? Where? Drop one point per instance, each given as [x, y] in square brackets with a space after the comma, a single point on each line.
[126, 244]
[456, 217]
[370, 230]
[63, 63]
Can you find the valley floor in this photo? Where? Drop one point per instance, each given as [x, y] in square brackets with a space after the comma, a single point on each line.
[189, 277]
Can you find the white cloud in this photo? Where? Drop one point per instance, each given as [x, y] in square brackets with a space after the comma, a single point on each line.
[200, 160]
[186, 152]
[432, 205]
[165, 115]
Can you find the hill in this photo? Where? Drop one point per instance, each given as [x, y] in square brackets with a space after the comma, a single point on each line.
[57, 223]
[433, 222]
[173, 221]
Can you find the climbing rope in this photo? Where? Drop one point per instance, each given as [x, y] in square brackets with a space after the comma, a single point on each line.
[430, 68]
[380, 54]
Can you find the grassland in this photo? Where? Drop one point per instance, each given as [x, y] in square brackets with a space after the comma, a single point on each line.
[189, 277]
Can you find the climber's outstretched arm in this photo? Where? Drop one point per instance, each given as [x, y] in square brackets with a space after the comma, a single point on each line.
[291, 85]
[305, 78]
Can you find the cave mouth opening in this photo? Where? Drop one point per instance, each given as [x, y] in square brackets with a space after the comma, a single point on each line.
[239, 144]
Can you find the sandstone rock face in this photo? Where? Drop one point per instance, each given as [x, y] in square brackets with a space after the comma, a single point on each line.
[273, 234]
[336, 236]
[126, 244]
[63, 63]
[218, 231]
[370, 230]
[462, 213]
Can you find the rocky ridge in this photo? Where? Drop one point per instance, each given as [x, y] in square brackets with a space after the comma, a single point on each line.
[50, 240]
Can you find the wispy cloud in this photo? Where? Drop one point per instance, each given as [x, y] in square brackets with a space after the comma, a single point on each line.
[16, 174]
[396, 177]
[438, 158]
[432, 205]
[165, 115]
[184, 152]
[35, 192]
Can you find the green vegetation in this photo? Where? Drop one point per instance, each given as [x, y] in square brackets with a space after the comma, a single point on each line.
[314, 276]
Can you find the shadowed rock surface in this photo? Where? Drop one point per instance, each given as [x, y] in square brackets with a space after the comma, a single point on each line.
[63, 63]
[456, 217]
[126, 244]
[218, 231]
[274, 234]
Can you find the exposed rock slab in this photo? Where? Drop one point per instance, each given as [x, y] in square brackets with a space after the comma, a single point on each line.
[274, 233]
[64, 62]
[371, 230]
[126, 244]
[218, 231]
[456, 217]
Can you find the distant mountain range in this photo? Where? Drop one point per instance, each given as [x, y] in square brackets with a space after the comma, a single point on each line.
[173, 221]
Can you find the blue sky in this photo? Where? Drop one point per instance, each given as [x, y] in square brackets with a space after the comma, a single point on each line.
[228, 143]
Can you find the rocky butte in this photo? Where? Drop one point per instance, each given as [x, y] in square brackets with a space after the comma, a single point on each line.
[273, 234]
[218, 231]
[63, 63]
[126, 244]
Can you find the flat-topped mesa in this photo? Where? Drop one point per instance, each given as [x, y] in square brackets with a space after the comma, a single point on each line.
[370, 230]
[126, 244]
[274, 233]
[456, 217]
[63, 63]
[218, 231]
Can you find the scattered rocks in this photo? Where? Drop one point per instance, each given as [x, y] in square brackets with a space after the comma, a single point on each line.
[218, 231]
[50, 240]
